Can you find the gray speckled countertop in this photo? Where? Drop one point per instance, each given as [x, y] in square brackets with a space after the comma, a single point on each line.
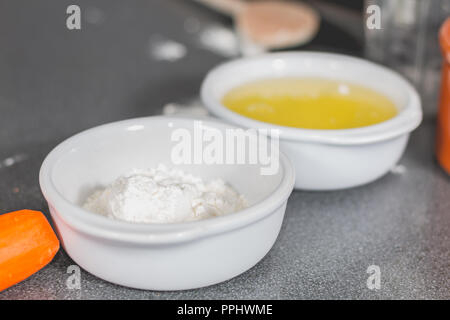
[54, 83]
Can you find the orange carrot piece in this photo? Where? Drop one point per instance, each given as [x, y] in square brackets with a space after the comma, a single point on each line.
[27, 244]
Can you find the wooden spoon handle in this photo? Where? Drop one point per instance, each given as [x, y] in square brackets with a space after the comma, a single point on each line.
[228, 7]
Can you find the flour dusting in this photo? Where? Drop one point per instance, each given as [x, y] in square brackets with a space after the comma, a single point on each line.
[220, 40]
[162, 49]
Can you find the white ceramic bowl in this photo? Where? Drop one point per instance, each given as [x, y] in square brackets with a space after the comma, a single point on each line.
[325, 159]
[158, 256]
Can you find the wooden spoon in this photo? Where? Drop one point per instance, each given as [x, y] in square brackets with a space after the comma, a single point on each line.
[270, 24]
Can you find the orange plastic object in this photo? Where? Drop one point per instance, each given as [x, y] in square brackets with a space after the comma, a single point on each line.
[443, 125]
[27, 244]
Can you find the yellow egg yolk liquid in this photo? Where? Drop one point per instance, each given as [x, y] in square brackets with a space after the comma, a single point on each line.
[310, 103]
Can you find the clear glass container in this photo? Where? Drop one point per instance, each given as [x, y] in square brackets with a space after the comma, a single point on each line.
[408, 43]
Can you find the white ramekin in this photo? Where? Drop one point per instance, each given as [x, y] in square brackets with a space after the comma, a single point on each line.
[325, 159]
[158, 256]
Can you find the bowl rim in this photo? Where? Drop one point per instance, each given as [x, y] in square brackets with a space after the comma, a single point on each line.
[103, 227]
[404, 122]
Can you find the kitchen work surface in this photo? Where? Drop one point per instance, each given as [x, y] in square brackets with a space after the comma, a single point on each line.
[132, 58]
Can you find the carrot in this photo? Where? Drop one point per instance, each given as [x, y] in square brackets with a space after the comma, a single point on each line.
[27, 244]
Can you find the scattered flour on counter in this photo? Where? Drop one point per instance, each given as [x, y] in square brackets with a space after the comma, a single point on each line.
[160, 195]
[10, 161]
[398, 169]
[163, 49]
[190, 108]
[220, 40]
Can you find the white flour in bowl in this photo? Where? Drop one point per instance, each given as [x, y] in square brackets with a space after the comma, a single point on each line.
[160, 195]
